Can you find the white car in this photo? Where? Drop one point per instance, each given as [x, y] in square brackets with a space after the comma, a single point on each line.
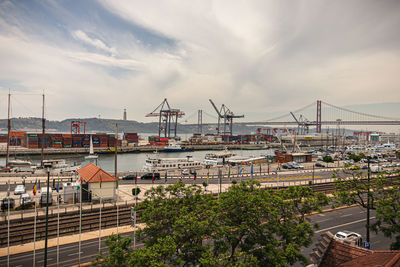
[343, 235]
[25, 199]
[19, 190]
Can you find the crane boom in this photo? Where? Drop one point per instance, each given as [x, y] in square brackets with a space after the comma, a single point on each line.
[216, 109]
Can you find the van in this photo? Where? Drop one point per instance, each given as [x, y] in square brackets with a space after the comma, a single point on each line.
[43, 197]
[149, 176]
[376, 168]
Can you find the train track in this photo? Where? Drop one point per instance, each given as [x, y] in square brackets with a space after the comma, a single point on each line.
[21, 230]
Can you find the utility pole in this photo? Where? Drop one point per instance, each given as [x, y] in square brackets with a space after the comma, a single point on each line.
[368, 198]
[8, 128]
[43, 132]
[47, 217]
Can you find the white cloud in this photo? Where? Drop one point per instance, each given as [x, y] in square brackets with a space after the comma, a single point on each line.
[80, 35]
[256, 57]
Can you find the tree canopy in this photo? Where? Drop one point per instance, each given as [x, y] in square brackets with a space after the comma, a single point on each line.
[353, 188]
[245, 226]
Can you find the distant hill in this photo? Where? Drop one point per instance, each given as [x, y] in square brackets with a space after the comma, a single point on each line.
[106, 125]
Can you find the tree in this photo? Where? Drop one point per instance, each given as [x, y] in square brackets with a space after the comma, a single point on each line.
[135, 191]
[357, 158]
[384, 199]
[388, 214]
[327, 159]
[269, 225]
[246, 226]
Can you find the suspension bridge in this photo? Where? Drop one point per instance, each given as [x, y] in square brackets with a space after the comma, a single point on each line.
[318, 114]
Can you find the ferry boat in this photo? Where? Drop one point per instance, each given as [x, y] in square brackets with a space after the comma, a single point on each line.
[385, 147]
[218, 158]
[162, 164]
[176, 148]
[60, 166]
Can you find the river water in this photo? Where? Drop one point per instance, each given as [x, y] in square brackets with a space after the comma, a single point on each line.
[135, 161]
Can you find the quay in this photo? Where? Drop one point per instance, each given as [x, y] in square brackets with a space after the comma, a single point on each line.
[127, 149]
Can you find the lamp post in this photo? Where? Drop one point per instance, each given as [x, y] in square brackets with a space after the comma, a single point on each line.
[368, 198]
[47, 166]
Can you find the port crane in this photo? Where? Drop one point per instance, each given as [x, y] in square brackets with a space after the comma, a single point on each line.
[303, 124]
[168, 118]
[225, 114]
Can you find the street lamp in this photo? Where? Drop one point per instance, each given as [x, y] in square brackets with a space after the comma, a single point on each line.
[368, 197]
[47, 165]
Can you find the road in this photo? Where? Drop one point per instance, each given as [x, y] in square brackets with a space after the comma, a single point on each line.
[352, 219]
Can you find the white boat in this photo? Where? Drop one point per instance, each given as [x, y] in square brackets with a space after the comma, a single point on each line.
[19, 162]
[162, 164]
[60, 166]
[385, 147]
[218, 158]
[91, 151]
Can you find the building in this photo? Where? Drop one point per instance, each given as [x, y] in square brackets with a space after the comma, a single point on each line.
[125, 118]
[330, 252]
[99, 182]
[298, 157]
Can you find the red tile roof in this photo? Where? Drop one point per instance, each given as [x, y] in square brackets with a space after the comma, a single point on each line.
[346, 255]
[92, 174]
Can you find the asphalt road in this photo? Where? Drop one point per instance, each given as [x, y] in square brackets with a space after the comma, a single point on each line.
[351, 219]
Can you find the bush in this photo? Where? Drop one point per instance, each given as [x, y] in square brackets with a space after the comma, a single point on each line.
[327, 159]
[234, 182]
[135, 191]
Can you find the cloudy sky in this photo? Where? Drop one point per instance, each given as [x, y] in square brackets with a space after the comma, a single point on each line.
[95, 58]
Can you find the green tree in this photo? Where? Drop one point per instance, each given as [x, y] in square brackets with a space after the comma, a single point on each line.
[327, 159]
[135, 191]
[268, 225]
[384, 199]
[181, 212]
[246, 226]
[388, 214]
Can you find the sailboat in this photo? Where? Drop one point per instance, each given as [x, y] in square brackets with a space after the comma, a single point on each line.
[91, 151]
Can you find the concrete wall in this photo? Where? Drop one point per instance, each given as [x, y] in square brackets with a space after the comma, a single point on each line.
[107, 190]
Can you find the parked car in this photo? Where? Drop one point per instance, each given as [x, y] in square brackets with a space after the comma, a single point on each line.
[4, 203]
[286, 166]
[5, 169]
[25, 199]
[342, 235]
[319, 165]
[129, 177]
[19, 190]
[350, 237]
[185, 171]
[149, 176]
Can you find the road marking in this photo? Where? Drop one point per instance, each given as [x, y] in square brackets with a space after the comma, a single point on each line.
[75, 253]
[43, 260]
[346, 215]
[340, 225]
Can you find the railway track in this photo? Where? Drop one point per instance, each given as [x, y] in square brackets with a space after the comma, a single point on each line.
[21, 230]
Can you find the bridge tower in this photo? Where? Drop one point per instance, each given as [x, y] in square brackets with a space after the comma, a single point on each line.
[318, 121]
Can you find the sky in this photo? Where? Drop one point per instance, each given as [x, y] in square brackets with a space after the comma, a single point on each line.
[95, 58]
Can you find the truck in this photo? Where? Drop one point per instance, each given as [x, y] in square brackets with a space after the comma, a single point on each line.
[43, 197]
[376, 168]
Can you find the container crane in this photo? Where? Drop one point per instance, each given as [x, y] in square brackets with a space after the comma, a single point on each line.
[225, 114]
[303, 124]
[168, 118]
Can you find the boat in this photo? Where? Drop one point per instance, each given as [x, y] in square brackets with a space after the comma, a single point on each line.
[60, 166]
[385, 147]
[91, 151]
[19, 162]
[218, 158]
[237, 160]
[176, 148]
[163, 164]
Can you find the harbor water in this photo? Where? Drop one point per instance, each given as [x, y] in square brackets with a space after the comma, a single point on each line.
[135, 161]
